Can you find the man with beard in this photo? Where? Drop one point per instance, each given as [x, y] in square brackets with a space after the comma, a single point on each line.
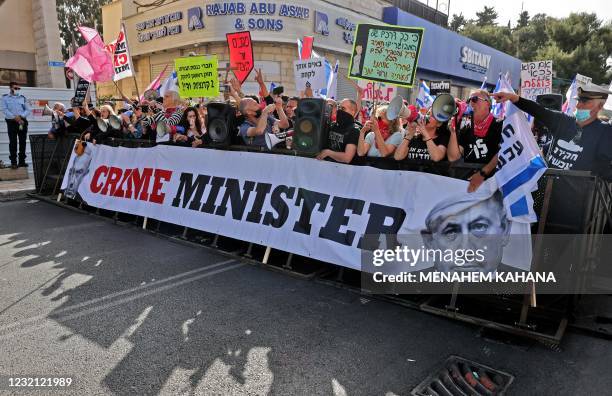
[343, 134]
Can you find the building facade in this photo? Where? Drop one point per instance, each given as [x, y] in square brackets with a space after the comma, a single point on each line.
[159, 34]
[30, 47]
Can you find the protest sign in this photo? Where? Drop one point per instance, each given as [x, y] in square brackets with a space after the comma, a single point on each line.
[80, 93]
[122, 62]
[536, 79]
[438, 87]
[382, 92]
[386, 53]
[240, 54]
[310, 73]
[197, 76]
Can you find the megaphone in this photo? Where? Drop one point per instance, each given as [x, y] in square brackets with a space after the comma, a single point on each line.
[112, 122]
[150, 94]
[272, 139]
[47, 111]
[397, 108]
[443, 107]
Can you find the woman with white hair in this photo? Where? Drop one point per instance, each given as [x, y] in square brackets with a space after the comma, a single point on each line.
[171, 114]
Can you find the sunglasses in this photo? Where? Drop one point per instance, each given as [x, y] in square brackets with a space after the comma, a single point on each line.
[475, 99]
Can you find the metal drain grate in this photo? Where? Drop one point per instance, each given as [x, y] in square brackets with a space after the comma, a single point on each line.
[462, 377]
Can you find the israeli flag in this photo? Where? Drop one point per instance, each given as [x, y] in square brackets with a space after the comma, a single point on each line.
[519, 163]
[169, 84]
[498, 109]
[424, 99]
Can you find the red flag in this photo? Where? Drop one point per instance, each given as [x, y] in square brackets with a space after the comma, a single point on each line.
[307, 47]
[240, 54]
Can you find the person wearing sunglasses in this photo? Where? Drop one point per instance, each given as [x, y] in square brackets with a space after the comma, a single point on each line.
[582, 141]
[477, 138]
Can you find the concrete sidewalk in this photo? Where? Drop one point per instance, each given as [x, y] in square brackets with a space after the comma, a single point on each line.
[16, 189]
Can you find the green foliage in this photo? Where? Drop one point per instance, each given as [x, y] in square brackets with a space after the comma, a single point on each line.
[457, 23]
[486, 17]
[72, 14]
[579, 43]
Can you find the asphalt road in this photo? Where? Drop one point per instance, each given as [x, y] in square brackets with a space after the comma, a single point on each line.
[124, 312]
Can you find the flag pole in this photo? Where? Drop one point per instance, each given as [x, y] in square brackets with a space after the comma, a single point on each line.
[127, 47]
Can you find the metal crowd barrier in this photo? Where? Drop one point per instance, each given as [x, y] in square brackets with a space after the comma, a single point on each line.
[589, 198]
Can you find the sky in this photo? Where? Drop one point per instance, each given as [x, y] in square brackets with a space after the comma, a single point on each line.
[510, 9]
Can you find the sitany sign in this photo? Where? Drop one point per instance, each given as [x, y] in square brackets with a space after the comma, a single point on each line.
[197, 76]
[386, 53]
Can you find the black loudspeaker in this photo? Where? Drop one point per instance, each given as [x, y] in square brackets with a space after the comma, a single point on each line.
[311, 126]
[550, 101]
[221, 123]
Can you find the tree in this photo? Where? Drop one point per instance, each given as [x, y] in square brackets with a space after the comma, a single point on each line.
[72, 14]
[457, 23]
[523, 20]
[498, 37]
[486, 17]
[528, 39]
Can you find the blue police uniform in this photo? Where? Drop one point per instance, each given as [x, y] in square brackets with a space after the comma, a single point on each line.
[12, 106]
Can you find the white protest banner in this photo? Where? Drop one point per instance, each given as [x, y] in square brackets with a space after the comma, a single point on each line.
[310, 73]
[536, 78]
[122, 61]
[316, 209]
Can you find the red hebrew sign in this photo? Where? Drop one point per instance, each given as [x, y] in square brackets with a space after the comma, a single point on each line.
[240, 54]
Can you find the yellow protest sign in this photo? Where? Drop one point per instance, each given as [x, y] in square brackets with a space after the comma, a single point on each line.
[197, 76]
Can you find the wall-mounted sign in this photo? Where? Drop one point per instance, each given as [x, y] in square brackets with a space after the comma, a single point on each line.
[163, 31]
[194, 18]
[348, 27]
[321, 23]
[438, 87]
[475, 61]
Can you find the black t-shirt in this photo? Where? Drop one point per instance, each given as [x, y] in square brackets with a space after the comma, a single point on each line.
[585, 149]
[338, 139]
[417, 148]
[476, 149]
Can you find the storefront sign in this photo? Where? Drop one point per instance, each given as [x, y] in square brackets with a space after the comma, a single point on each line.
[197, 76]
[348, 27]
[159, 21]
[474, 60]
[321, 23]
[386, 53]
[438, 87]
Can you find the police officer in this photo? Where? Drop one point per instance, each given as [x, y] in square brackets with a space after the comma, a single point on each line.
[16, 111]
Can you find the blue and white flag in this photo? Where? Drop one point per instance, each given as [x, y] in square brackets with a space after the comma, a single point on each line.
[498, 109]
[519, 163]
[424, 99]
[169, 84]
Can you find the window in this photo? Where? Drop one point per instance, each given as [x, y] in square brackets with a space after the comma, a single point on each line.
[24, 77]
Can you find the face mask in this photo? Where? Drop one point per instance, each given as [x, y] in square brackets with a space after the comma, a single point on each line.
[258, 113]
[344, 119]
[582, 115]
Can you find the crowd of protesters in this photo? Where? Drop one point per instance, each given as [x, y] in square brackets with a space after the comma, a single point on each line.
[473, 135]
